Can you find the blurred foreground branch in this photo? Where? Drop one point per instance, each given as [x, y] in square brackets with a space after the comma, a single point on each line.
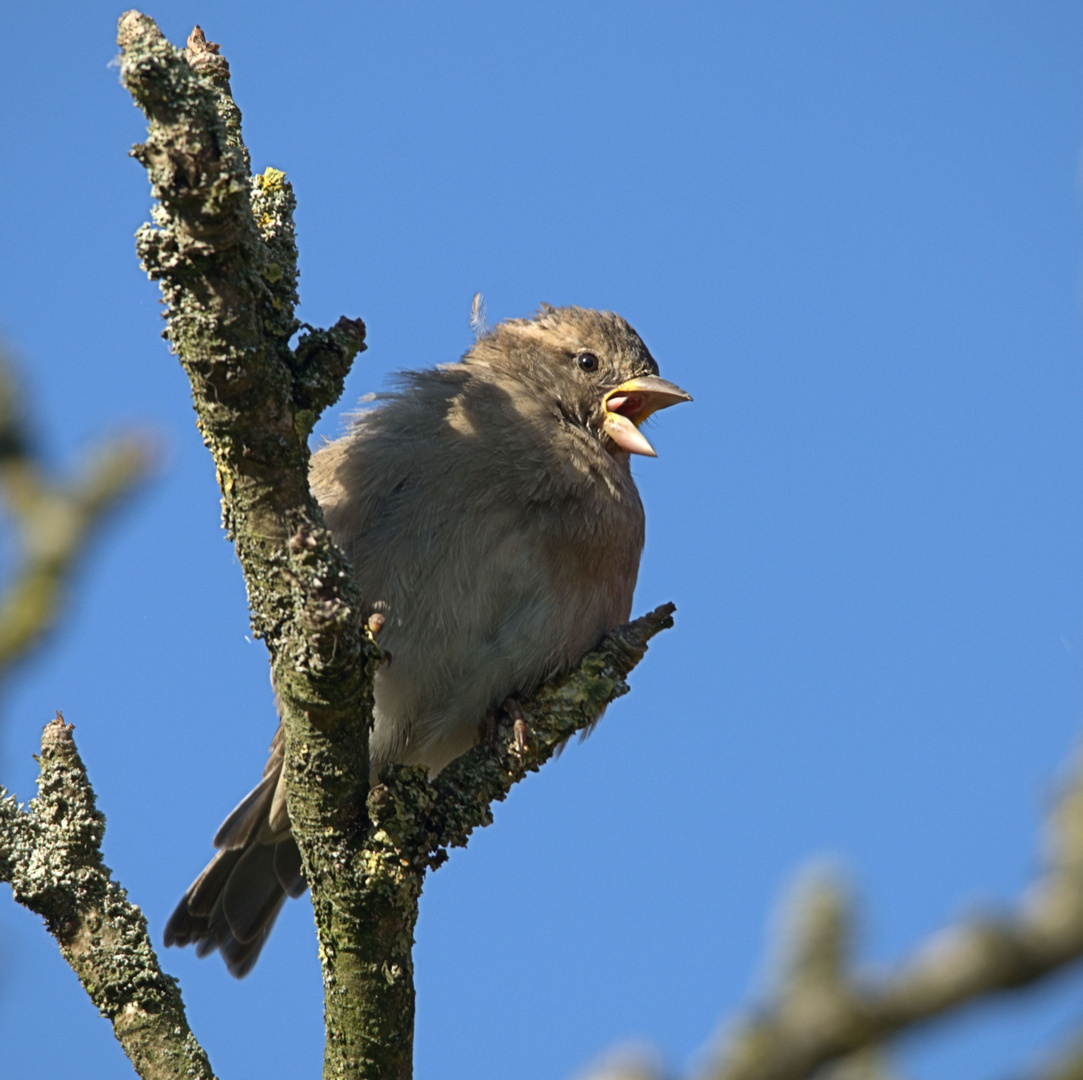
[55, 521]
[824, 1010]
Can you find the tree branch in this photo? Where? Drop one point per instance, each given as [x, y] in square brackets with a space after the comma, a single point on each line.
[50, 854]
[366, 909]
[460, 798]
[222, 248]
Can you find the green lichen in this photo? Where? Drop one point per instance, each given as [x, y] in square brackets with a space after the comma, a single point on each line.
[227, 267]
[50, 854]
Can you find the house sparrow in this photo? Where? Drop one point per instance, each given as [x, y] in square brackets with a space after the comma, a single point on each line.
[489, 514]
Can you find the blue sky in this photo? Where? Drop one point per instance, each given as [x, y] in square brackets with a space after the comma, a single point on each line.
[853, 233]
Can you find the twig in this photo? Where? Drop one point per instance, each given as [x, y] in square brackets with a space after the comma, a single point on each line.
[50, 853]
[460, 799]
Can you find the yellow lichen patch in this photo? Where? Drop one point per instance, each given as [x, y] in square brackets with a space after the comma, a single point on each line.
[225, 480]
[271, 179]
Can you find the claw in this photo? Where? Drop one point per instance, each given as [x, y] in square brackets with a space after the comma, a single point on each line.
[519, 725]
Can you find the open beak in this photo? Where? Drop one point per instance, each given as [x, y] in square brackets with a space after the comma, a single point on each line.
[631, 403]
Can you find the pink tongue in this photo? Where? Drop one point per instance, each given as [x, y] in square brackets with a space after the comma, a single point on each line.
[618, 402]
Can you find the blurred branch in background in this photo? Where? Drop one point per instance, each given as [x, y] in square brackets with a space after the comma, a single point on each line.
[825, 1019]
[1066, 1064]
[55, 520]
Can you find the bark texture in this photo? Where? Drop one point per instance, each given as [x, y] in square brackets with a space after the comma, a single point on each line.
[50, 854]
[221, 246]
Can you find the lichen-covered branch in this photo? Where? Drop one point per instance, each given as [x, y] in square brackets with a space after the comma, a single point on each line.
[55, 521]
[50, 854]
[460, 798]
[367, 908]
[221, 245]
[222, 249]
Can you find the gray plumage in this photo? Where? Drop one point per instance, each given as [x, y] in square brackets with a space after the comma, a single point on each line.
[488, 511]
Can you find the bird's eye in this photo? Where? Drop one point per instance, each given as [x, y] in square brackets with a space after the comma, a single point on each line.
[587, 361]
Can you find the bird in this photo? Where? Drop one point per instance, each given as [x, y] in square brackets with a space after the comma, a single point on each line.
[489, 514]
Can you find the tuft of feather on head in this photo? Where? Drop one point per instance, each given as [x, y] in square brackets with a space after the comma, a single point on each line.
[477, 317]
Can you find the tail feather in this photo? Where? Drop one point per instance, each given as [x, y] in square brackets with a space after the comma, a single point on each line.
[234, 902]
[251, 893]
[240, 956]
[247, 816]
[203, 893]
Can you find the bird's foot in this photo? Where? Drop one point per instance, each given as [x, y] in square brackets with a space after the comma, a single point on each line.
[519, 725]
[489, 728]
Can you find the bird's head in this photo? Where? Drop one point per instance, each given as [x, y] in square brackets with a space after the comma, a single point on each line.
[591, 366]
